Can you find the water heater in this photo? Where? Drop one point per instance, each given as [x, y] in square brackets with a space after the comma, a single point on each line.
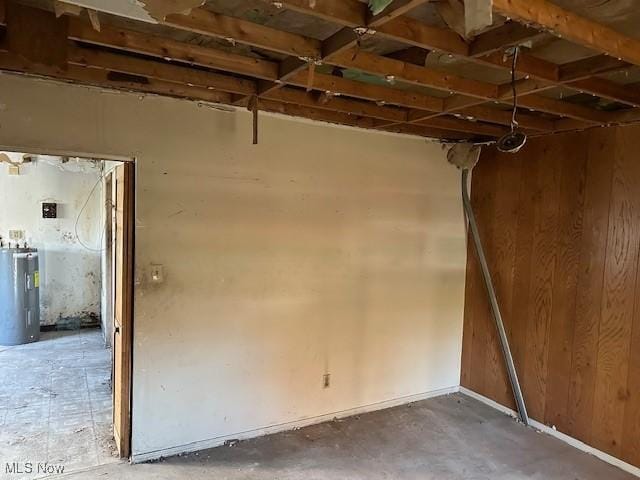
[19, 296]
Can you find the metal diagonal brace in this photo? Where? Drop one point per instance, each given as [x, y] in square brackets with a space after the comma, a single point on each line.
[495, 309]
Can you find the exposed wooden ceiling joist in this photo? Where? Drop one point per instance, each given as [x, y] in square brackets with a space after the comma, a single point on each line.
[163, 71]
[412, 32]
[572, 26]
[390, 67]
[588, 67]
[507, 35]
[168, 48]
[389, 107]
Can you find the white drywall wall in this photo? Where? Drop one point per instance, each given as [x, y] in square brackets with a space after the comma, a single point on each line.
[320, 250]
[69, 272]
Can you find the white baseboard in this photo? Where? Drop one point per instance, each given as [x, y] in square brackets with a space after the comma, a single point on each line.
[258, 432]
[554, 433]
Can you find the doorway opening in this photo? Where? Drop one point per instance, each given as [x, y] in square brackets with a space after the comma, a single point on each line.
[66, 263]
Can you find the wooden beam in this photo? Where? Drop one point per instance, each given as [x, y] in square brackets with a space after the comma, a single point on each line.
[526, 65]
[413, 32]
[162, 71]
[208, 23]
[572, 26]
[291, 109]
[458, 125]
[503, 117]
[455, 124]
[366, 91]
[340, 42]
[629, 94]
[625, 116]
[162, 47]
[354, 107]
[507, 35]
[396, 69]
[411, 129]
[524, 86]
[167, 48]
[108, 79]
[587, 67]
[295, 110]
[565, 109]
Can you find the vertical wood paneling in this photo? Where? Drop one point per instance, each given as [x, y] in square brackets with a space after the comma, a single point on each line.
[561, 222]
[545, 232]
[593, 248]
[563, 315]
[471, 285]
[524, 248]
[501, 259]
[483, 202]
[619, 294]
[631, 433]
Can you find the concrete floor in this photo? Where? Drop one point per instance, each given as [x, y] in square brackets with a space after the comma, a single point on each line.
[450, 437]
[55, 402]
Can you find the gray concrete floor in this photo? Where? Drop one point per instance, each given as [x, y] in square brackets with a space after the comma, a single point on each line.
[55, 402]
[449, 437]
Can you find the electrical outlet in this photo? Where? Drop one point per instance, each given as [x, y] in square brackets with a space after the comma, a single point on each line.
[16, 235]
[326, 380]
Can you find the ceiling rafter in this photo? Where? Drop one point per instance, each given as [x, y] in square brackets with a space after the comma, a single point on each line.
[106, 78]
[571, 26]
[497, 39]
[412, 32]
[81, 56]
[92, 58]
[258, 35]
[401, 70]
[370, 105]
[187, 53]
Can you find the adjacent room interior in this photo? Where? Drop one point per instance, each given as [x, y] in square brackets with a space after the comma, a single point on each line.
[57, 252]
[319, 239]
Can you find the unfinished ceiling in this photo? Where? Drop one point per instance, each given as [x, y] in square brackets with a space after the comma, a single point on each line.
[411, 69]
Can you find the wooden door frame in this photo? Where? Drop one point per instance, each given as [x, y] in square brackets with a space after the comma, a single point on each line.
[130, 163]
[128, 269]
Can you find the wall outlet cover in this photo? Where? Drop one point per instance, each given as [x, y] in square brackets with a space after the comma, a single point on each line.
[16, 234]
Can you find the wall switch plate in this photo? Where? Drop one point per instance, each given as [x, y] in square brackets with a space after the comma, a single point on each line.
[326, 380]
[14, 169]
[16, 235]
[156, 274]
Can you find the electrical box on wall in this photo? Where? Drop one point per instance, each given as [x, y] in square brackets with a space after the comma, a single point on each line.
[49, 210]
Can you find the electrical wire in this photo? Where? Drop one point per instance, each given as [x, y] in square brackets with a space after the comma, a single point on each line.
[84, 206]
[514, 91]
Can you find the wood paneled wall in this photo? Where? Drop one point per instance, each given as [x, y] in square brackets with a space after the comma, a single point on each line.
[560, 222]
